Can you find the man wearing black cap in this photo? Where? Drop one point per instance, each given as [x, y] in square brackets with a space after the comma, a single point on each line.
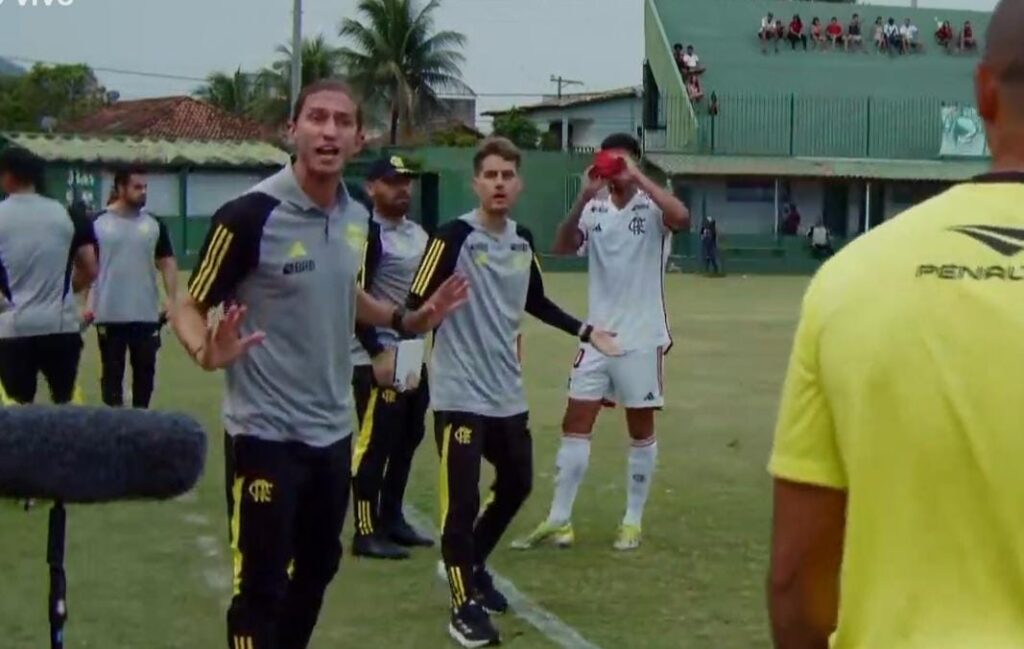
[391, 421]
[44, 254]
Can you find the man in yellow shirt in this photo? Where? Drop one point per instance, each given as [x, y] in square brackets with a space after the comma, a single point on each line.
[899, 452]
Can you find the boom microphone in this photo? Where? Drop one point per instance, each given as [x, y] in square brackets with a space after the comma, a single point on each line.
[76, 454]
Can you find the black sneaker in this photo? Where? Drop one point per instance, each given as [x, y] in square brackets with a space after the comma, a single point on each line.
[372, 546]
[471, 627]
[406, 535]
[486, 594]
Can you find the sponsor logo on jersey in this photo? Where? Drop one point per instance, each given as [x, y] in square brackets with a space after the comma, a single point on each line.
[1007, 242]
[520, 247]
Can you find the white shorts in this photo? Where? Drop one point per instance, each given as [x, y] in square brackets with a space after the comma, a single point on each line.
[633, 380]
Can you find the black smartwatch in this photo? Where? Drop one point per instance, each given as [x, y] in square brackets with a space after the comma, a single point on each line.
[585, 334]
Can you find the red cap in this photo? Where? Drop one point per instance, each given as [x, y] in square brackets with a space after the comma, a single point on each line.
[607, 165]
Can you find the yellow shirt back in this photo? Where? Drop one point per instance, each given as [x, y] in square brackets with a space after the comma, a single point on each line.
[906, 389]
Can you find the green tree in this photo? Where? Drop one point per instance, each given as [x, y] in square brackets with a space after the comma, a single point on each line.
[238, 94]
[517, 127]
[399, 62]
[319, 61]
[63, 92]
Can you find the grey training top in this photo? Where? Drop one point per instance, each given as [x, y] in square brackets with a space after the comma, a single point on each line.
[126, 289]
[294, 267]
[474, 366]
[394, 250]
[38, 243]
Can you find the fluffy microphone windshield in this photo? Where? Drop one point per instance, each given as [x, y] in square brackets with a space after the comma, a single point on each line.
[92, 455]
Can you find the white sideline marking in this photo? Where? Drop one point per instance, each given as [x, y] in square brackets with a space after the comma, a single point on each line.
[529, 611]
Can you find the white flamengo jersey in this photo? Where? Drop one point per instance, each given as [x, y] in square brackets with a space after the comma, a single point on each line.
[627, 251]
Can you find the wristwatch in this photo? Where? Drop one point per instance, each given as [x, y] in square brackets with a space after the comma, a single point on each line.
[585, 332]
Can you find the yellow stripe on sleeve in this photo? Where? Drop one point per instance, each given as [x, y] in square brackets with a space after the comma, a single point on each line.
[429, 267]
[204, 267]
[215, 257]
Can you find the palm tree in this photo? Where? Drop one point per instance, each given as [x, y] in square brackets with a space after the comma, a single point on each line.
[319, 61]
[398, 60]
[237, 94]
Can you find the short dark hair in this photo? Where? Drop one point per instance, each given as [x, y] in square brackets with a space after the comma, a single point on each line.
[327, 85]
[623, 141]
[499, 146]
[26, 167]
[123, 175]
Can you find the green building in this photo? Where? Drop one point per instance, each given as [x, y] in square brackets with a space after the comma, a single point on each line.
[850, 138]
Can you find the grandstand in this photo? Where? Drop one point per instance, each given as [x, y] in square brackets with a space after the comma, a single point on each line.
[851, 138]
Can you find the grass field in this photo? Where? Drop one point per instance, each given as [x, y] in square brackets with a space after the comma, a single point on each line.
[156, 576]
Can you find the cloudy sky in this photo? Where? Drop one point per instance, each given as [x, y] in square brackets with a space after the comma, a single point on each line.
[190, 38]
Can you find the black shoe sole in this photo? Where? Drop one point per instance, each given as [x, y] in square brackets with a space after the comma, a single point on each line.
[470, 644]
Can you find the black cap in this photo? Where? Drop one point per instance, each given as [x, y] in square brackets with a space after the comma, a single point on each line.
[392, 167]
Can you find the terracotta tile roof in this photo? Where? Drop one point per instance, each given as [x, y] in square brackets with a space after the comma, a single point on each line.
[169, 117]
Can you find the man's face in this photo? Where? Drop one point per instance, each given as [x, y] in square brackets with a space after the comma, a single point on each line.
[326, 134]
[497, 184]
[133, 193]
[391, 196]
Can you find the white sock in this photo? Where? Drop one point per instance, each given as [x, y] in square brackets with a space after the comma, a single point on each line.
[642, 457]
[570, 467]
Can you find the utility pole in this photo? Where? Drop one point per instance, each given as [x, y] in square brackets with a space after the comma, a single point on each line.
[296, 51]
[562, 81]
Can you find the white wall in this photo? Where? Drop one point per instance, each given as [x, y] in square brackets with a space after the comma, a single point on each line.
[592, 123]
[709, 198]
[208, 191]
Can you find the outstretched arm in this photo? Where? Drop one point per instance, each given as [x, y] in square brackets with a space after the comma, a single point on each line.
[540, 306]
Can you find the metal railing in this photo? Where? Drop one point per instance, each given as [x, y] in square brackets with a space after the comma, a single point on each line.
[811, 126]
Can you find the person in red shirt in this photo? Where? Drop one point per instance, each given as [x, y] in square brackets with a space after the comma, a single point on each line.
[834, 32]
[944, 35]
[796, 32]
[967, 41]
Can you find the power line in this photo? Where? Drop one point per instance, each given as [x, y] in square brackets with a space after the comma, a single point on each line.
[182, 77]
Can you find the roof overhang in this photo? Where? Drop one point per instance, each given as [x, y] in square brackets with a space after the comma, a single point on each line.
[678, 164]
[113, 150]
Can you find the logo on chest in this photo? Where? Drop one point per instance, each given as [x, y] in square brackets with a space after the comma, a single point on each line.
[298, 261]
[638, 225]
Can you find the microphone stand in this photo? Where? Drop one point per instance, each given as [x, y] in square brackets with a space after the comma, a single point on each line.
[58, 581]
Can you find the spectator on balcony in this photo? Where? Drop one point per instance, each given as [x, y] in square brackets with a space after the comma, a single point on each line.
[879, 37]
[854, 33]
[796, 32]
[908, 32]
[834, 32]
[691, 62]
[967, 41]
[694, 88]
[817, 38]
[768, 34]
[944, 34]
[894, 42]
[678, 54]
